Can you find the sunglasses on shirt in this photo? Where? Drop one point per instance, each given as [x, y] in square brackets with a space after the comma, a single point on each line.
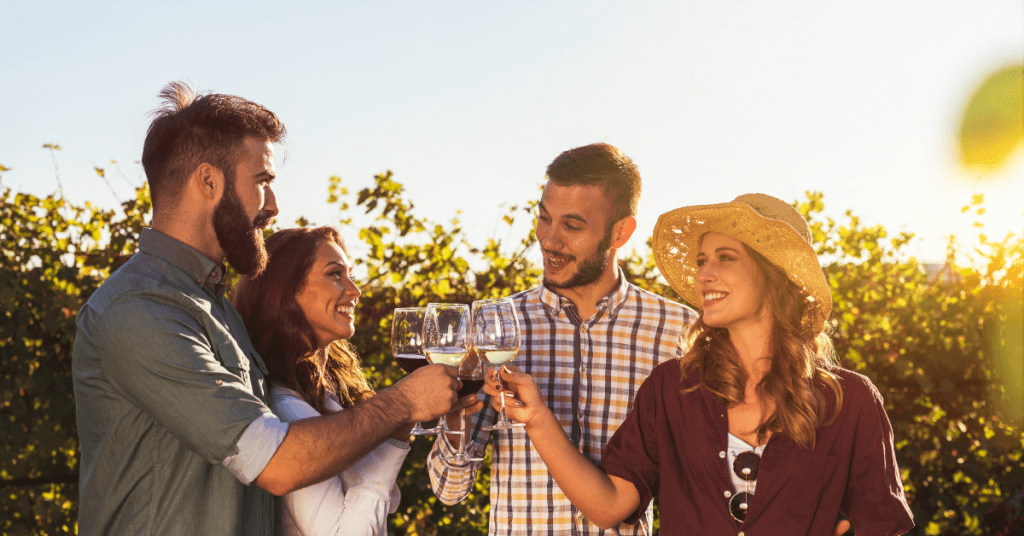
[745, 467]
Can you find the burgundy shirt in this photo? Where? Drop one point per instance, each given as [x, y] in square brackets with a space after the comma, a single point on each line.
[674, 446]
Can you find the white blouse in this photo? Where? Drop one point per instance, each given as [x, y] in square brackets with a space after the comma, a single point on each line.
[356, 502]
[738, 446]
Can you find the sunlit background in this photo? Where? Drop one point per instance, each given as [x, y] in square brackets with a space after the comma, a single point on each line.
[467, 102]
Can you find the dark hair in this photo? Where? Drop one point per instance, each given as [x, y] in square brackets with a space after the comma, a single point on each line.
[801, 369]
[280, 332]
[603, 165]
[190, 129]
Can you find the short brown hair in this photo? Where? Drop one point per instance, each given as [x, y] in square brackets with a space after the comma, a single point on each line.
[190, 129]
[280, 332]
[604, 165]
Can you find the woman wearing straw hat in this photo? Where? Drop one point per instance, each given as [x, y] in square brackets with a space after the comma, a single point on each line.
[755, 430]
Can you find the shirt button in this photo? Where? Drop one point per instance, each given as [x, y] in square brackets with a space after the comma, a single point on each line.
[740, 533]
[583, 369]
[721, 454]
[219, 382]
[728, 494]
[583, 328]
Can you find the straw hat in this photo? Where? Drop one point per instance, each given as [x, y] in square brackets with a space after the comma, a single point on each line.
[767, 225]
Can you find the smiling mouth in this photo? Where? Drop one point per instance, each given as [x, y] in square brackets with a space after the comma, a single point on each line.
[349, 310]
[713, 297]
[556, 261]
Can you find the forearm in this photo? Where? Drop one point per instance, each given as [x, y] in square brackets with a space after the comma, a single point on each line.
[605, 500]
[322, 447]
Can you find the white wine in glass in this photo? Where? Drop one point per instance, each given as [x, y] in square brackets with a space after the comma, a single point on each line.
[496, 339]
[446, 339]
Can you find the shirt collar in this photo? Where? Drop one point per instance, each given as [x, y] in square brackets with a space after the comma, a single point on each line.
[612, 302]
[206, 273]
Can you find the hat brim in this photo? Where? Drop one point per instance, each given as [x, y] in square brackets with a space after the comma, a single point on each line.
[678, 234]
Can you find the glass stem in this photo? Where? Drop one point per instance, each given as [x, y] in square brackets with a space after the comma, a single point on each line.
[503, 418]
[462, 428]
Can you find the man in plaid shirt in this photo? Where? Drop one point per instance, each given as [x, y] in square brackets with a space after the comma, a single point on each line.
[589, 339]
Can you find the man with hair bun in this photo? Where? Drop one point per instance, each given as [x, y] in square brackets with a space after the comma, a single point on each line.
[171, 396]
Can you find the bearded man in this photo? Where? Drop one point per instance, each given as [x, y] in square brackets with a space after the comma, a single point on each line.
[589, 339]
[171, 397]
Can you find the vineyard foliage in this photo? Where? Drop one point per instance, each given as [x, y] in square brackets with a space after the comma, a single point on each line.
[942, 344]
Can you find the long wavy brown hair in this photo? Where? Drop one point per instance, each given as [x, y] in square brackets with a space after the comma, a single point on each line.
[801, 367]
[280, 332]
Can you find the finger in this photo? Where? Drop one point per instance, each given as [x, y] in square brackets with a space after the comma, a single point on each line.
[474, 407]
[841, 528]
[511, 400]
[464, 402]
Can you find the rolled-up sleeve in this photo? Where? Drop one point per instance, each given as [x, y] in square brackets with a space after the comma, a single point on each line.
[632, 453]
[874, 499]
[160, 358]
[256, 447]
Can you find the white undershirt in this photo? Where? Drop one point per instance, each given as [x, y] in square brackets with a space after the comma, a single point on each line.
[738, 446]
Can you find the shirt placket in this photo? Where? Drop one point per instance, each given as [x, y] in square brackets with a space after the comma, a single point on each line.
[582, 355]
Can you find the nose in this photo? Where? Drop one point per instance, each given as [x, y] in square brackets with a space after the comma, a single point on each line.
[548, 237]
[706, 273]
[270, 202]
[352, 289]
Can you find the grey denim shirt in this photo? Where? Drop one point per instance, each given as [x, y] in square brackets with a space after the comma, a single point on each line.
[166, 384]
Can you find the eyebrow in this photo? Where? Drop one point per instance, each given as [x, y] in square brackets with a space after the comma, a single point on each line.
[337, 263]
[719, 250]
[576, 217]
[266, 174]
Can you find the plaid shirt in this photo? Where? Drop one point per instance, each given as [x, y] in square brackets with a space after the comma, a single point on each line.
[589, 372]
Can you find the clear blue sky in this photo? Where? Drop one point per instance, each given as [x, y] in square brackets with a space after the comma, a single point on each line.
[467, 102]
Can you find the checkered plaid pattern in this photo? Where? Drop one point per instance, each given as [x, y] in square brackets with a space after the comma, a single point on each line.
[589, 370]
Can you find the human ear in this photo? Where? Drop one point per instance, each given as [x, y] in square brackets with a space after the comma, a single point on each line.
[209, 180]
[622, 231]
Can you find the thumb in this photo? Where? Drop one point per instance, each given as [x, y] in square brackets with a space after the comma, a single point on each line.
[841, 528]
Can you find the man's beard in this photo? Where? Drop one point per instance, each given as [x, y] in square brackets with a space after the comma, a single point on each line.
[588, 270]
[241, 240]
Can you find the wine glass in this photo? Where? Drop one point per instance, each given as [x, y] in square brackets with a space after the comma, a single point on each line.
[496, 340]
[446, 339]
[471, 374]
[407, 347]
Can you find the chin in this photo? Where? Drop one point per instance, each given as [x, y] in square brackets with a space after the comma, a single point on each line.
[563, 282]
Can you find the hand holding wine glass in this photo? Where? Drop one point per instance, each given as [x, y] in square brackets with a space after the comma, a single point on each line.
[523, 401]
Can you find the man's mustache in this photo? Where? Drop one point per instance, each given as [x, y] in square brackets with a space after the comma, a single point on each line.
[261, 221]
[559, 256]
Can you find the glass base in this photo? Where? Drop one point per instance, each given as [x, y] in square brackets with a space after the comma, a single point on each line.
[503, 425]
[419, 430]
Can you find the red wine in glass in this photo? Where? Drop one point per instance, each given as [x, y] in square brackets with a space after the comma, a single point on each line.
[407, 346]
[411, 362]
[470, 386]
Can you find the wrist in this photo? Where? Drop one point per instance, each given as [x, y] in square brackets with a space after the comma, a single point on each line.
[544, 419]
[394, 397]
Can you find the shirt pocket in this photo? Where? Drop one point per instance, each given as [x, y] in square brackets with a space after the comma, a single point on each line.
[816, 472]
[231, 356]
